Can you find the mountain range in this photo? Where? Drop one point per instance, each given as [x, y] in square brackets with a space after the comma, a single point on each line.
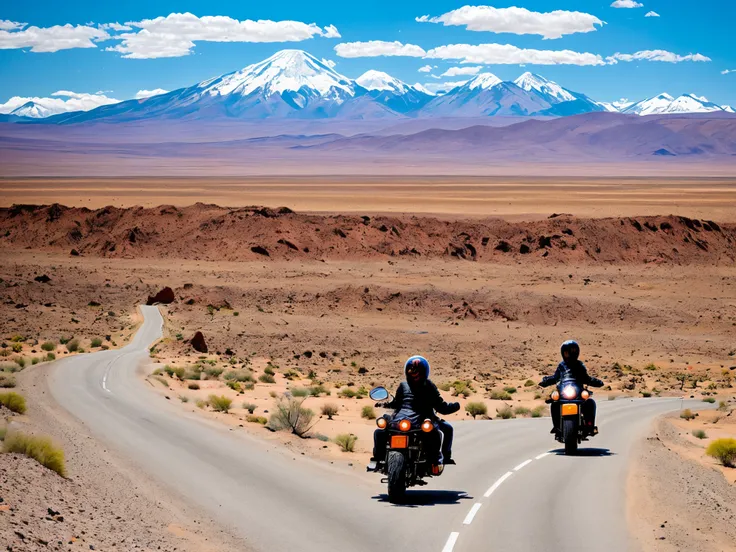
[293, 84]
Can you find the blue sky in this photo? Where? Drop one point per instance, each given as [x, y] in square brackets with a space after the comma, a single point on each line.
[682, 28]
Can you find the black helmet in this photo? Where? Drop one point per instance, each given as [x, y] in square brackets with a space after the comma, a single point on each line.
[416, 369]
[570, 350]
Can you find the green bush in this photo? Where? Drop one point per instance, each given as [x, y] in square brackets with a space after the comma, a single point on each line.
[522, 411]
[290, 415]
[193, 385]
[723, 450]
[317, 390]
[529, 383]
[445, 386]
[539, 411]
[201, 403]
[505, 412]
[20, 361]
[300, 392]
[64, 340]
[651, 366]
[710, 400]
[48, 346]
[699, 433]
[7, 381]
[537, 396]
[73, 345]
[184, 398]
[292, 375]
[266, 378]
[161, 380]
[498, 395]
[646, 394]
[269, 370]
[722, 406]
[250, 407]
[238, 375]
[346, 441]
[257, 419]
[50, 357]
[39, 448]
[347, 393]
[476, 409]
[235, 386]
[214, 372]
[687, 414]
[35, 360]
[329, 410]
[510, 389]
[13, 401]
[17, 347]
[464, 388]
[368, 413]
[220, 403]
[96, 342]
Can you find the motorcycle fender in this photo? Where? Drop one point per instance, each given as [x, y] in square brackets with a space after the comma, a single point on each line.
[399, 441]
[569, 409]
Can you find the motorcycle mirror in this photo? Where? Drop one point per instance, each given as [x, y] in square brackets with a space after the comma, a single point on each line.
[378, 394]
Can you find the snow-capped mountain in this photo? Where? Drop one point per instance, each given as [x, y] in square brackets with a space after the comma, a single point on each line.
[33, 110]
[392, 92]
[485, 95]
[664, 103]
[295, 84]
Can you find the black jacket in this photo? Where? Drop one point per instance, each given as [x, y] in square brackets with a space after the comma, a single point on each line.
[574, 371]
[419, 402]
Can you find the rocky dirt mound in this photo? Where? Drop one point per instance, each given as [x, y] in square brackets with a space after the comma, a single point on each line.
[209, 232]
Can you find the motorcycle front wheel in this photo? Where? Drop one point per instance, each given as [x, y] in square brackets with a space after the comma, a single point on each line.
[570, 436]
[396, 467]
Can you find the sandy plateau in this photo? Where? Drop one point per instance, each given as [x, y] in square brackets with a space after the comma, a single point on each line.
[325, 307]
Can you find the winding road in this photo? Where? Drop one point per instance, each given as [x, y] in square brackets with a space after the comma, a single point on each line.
[511, 490]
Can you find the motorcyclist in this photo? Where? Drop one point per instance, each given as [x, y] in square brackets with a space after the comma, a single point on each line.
[572, 369]
[417, 399]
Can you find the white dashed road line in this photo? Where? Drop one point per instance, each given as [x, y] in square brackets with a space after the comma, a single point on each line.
[450, 544]
[497, 484]
[471, 514]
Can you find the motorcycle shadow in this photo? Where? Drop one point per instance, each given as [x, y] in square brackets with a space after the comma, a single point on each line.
[414, 499]
[586, 452]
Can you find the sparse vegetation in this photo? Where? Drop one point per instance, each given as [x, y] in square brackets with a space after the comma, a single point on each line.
[48, 346]
[710, 400]
[651, 366]
[72, 346]
[346, 441]
[505, 412]
[39, 448]
[96, 342]
[49, 357]
[522, 411]
[723, 450]
[510, 389]
[193, 385]
[201, 403]
[300, 392]
[20, 361]
[499, 395]
[368, 413]
[269, 370]
[464, 388]
[722, 406]
[235, 375]
[476, 409]
[329, 410]
[317, 390]
[16, 347]
[214, 372]
[646, 394]
[687, 414]
[257, 419]
[7, 381]
[347, 393]
[291, 415]
[220, 403]
[161, 380]
[13, 401]
[250, 407]
[699, 433]
[529, 383]
[184, 398]
[539, 411]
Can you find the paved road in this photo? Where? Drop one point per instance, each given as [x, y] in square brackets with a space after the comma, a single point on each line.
[278, 503]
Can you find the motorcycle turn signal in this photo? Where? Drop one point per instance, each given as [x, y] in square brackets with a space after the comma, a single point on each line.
[555, 395]
[427, 426]
[381, 423]
[585, 394]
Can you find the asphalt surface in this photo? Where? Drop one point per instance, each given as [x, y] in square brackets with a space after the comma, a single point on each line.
[492, 500]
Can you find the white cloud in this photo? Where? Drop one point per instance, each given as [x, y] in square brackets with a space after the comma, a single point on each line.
[148, 93]
[435, 87]
[626, 4]
[374, 48]
[521, 21]
[114, 27]
[331, 31]
[425, 69]
[54, 105]
[655, 55]
[490, 54]
[52, 39]
[6, 25]
[651, 14]
[727, 71]
[175, 35]
[455, 71]
[329, 63]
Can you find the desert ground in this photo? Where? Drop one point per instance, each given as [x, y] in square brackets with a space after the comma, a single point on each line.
[531, 197]
[325, 306]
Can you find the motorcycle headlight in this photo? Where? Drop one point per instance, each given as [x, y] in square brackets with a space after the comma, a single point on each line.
[569, 392]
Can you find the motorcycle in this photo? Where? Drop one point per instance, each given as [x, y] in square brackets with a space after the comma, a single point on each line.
[573, 428]
[406, 463]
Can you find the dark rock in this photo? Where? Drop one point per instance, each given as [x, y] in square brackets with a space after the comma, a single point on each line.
[74, 253]
[524, 249]
[44, 279]
[198, 343]
[93, 304]
[288, 244]
[165, 296]
[260, 250]
[340, 233]
[503, 246]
